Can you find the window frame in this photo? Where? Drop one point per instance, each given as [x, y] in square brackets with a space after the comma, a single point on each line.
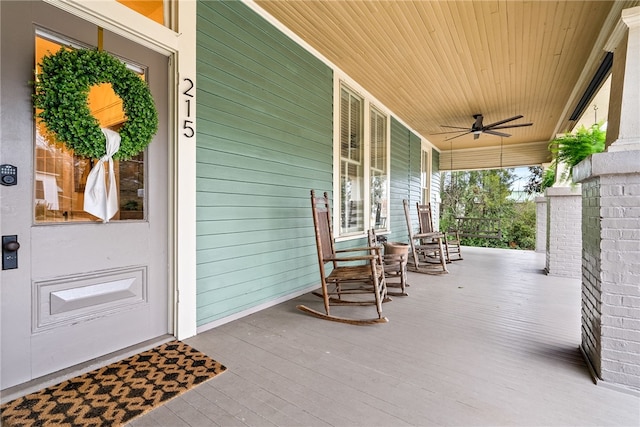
[368, 104]
[425, 173]
[373, 109]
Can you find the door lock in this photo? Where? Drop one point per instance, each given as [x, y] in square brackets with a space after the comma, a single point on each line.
[8, 175]
[10, 248]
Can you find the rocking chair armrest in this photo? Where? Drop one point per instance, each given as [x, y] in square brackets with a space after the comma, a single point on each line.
[377, 249]
[351, 258]
[360, 249]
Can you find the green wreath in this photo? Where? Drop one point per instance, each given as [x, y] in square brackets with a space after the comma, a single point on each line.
[62, 89]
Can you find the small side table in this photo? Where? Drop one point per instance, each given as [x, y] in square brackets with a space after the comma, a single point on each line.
[395, 259]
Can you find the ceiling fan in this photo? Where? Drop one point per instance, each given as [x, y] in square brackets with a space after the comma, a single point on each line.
[477, 127]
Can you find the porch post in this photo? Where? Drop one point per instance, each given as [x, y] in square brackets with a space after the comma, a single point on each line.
[611, 227]
[541, 224]
[564, 238]
[628, 137]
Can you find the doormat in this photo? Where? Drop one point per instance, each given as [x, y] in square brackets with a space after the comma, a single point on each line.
[117, 393]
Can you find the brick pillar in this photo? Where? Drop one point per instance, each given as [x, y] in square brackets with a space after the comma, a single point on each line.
[611, 265]
[611, 230]
[564, 235]
[541, 224]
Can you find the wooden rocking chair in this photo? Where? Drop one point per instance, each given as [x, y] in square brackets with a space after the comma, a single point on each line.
[450, 239]
[427, 250]
[354, 271]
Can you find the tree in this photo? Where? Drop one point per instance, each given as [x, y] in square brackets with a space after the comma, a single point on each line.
[534, 185]
[477, 194]
[520, 230]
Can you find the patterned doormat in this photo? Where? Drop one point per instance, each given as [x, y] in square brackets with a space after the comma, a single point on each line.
[117, 393]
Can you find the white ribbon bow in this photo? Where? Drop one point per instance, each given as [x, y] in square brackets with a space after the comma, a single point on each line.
[97, 200]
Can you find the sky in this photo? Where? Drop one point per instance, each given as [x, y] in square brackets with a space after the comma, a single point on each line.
[523, 177]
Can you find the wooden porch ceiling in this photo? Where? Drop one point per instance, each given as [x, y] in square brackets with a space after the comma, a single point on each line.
[437, 63]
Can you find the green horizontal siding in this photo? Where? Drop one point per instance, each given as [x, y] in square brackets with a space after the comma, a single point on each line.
[414, 183]
[415, 159]
[265, 112]
[435, 164]
[405, 176]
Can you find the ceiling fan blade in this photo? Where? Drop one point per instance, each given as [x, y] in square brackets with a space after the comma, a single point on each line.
[451, 131]
[493, 132]
[503, 121]
[511, 126]
[458, 136]
[454, 127]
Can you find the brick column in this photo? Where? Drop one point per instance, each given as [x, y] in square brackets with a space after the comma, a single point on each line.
[611, 231]
[541, 224]
[564, 237]
[611, 265]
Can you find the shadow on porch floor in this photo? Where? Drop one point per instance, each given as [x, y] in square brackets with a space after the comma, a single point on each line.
[495, 342]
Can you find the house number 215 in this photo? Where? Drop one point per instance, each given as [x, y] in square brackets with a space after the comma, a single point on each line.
[186, 124]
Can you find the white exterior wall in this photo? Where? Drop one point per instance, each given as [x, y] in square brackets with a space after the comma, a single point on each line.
[564, 233]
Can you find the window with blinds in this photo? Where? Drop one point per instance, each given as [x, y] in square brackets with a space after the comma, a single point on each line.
[364, 174]
[424, 177]
[378, 169]
[351, 167]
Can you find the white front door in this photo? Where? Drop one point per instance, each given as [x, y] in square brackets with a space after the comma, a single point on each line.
[82, 288]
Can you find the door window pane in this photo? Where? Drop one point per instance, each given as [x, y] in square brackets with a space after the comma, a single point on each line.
[60, 175]
[157, 10]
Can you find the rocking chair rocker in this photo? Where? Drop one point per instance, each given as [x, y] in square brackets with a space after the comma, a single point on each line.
[354, 271]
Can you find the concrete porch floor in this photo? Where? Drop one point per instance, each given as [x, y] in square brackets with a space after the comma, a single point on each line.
[493, 343]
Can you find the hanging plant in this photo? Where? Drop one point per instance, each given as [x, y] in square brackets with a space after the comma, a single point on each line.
[61, 92]
[572, 148]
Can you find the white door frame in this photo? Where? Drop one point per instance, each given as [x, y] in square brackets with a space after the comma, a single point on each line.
[180, 46]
